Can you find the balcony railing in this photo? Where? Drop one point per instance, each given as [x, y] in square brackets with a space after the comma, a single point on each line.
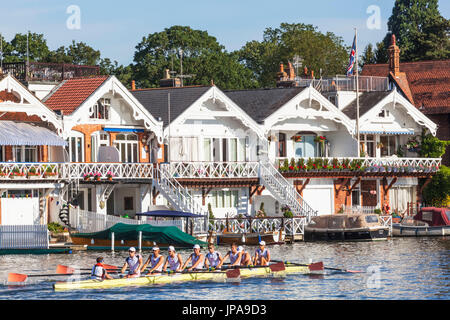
[344, 83]
[213, 170]
[87, 171]
[338, 164]
[51, 72]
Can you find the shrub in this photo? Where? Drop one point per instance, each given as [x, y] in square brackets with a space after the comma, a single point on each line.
[55, 227]
[437, 192]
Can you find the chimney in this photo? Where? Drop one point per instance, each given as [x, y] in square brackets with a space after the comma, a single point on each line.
[133, 85]
[167, 81]
[312, 74]
[291, 72]
[281, 67]
[394, 57]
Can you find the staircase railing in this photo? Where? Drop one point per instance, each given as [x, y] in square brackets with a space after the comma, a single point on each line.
[285, 192]
[175, 193]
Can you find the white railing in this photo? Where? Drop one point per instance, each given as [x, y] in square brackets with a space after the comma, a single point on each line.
[359, 209]
[25, 170]
[24, 236]
[344, 83]
[175, 193]
[284, 191]
[212, 170]
[387, 222]
[87, 221]
[292, 226]
[115, 170]
[366, 164]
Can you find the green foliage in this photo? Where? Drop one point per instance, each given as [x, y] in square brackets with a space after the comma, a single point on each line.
[261, 212]
[420, 30]
[368, 56]
[318, 50]
[210, 212]
[377, 211]
[55, 227]
[437, 192]
[432, 147]
[203, 58]
[288, 214]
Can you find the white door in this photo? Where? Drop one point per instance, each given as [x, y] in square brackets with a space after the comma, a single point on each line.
[320, 199]
[20, 211]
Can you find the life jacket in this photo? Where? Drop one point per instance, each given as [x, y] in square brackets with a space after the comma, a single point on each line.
[98, 271]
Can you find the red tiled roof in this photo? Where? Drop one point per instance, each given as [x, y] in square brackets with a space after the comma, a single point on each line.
[428, 81]
[72, 93]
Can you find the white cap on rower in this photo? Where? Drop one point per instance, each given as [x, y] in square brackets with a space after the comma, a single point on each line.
[196, 246]
[263, 243]
[171, 248]
[132, 249]
[155, 248]
[240, 248]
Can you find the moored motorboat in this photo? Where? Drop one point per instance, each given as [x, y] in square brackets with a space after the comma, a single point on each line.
[429, 221]
[275, 237]
[346, 227]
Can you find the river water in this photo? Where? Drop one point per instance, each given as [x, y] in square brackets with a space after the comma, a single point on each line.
[399, 268]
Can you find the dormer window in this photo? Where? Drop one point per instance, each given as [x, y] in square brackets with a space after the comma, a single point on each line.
[383, 114]
[101, 109]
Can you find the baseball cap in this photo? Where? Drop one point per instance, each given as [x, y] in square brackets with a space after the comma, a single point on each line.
[171, 248]
[155, 248]
[196, 246]
[263, 243]
[132, 249]
[240, 248]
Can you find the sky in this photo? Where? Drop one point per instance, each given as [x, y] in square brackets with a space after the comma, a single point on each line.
[116, 27]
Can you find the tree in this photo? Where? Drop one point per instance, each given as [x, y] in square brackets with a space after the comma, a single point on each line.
[123, 73]
[437, 192]
[421, 32]
[381, 55]
[202, 57]
[368, 56]
[16, 50]
[319, 51]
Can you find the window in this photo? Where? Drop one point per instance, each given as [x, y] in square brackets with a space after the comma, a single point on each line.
[388, 145]
[367, 145]
[128, 203]
[101, 109]
[2, 154]
[305, 146]
[75, 148]
[356, 197]
[98, 139]
[25, 153]
[384, 114]
[282, 145]
[225, 199]
[127, 144]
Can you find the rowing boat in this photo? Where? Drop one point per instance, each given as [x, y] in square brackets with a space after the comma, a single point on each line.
[219, 276]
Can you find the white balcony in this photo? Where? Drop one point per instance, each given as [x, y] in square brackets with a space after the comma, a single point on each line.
[211, 170]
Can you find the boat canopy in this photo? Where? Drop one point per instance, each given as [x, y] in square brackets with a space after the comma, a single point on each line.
[169, 214]
[342, 221]
[168, 234]
[435, 217]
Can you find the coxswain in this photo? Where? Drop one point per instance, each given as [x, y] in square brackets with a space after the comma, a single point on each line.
[197, 259]
[99, 272]
[262, 255]
[134, 263]
[156, 261]
[213, 258]
[246, 258]
[234, 255]
[173, 261]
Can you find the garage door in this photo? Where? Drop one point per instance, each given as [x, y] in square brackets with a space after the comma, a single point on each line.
[320, 199]
[17, 211]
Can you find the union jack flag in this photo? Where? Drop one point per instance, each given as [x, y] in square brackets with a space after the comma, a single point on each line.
[351, 61]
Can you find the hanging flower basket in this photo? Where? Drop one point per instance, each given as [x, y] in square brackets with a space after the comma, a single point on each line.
[297, 138]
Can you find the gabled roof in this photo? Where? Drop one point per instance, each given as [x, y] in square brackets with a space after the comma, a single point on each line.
[428, 81]
[261, 103]
[367, 101]
[156, 100]
[71, 93]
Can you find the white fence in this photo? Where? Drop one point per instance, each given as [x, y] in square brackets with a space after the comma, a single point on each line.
[359, 209]
[212, 170]
[292, 226]
[23, 237]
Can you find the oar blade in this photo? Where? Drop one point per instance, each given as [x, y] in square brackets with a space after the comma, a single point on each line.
[316, 267]
[110, 267]
[17, 277]
[60, 269]
[277, 267]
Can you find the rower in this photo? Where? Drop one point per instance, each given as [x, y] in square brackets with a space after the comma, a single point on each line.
[262, 255]
[174, 261]
[99, 272]
[234, 255]
[134, 263]
[197, 259]
[246, 258]
[156, 261]
[213, 258]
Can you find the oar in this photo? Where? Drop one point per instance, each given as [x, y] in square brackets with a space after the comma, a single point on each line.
[319, 266]
[19, 277]
[69, 270]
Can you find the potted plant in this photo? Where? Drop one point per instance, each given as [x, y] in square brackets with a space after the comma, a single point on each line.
[297, 138]
[16, 173]
[88, 176]
[413, 145]
[50, 171]
[97, 176]
[109, 175]
[33, 172]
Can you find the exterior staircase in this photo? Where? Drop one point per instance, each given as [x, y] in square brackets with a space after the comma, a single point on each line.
[283, 191]
[175, 193]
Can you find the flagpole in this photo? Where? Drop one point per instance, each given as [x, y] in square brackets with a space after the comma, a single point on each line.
[357, 92]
